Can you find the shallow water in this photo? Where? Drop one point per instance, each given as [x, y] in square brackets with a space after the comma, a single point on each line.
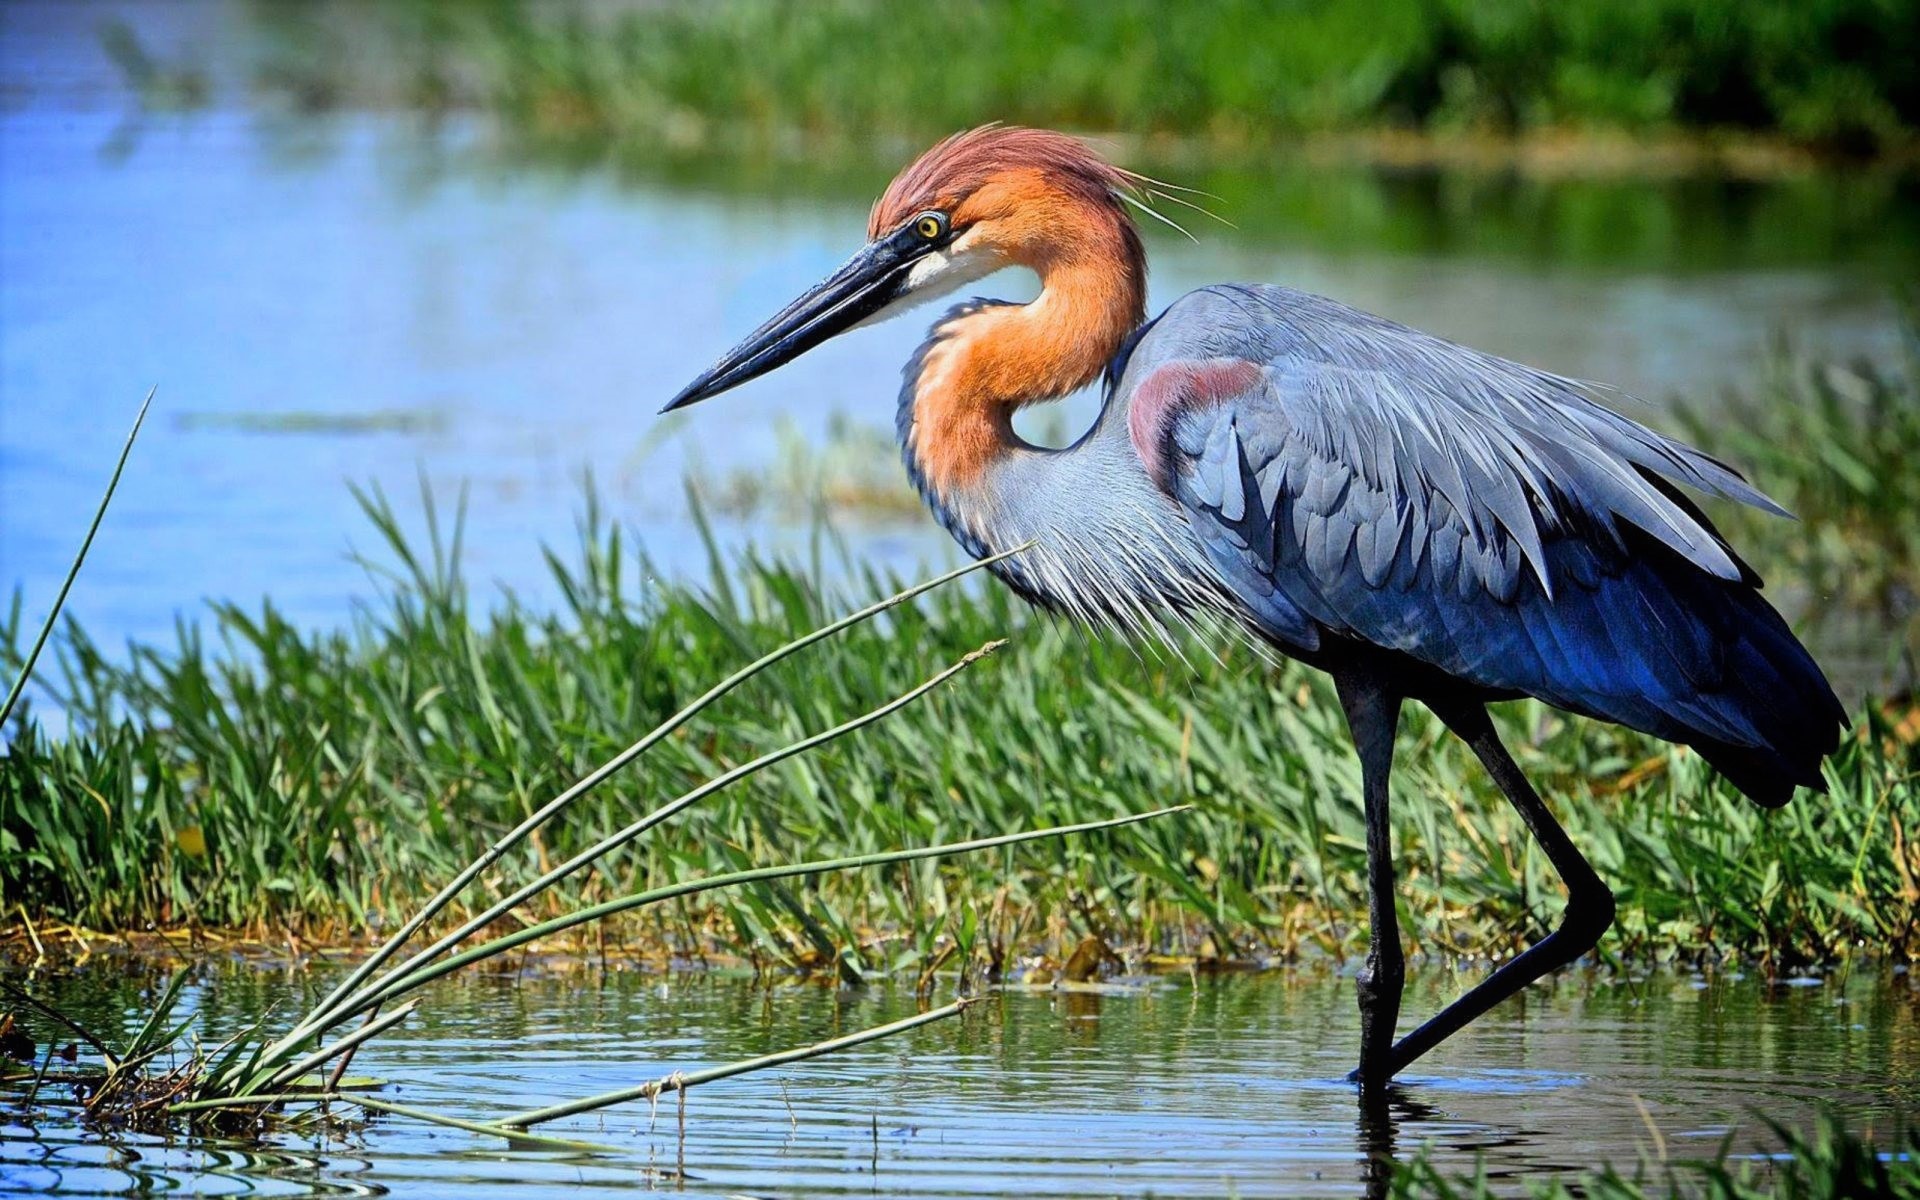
[1168, 1087]
[360, 295]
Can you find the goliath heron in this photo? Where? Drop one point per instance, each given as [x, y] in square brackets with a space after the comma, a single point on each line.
[1421, 520]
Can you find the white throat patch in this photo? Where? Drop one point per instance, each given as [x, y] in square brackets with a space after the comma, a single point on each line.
[939, 274]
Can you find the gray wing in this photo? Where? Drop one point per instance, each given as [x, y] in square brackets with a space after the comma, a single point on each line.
[1380, 484]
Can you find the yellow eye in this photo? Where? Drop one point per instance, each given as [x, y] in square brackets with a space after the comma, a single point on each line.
[930, 227]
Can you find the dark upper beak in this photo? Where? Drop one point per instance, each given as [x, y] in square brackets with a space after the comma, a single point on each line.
[863, 286]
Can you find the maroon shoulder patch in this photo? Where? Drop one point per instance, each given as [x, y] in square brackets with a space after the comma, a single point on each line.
[1182, 386]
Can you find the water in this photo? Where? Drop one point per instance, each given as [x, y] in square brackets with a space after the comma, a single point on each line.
[357, 294]
[1169, 1086]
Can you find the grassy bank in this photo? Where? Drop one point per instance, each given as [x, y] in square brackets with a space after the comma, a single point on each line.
[1761, 81]
[1837, 74]
[272, 777]
[259, 775]
[502, 92]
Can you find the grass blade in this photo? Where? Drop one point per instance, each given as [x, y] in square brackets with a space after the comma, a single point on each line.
[148, 1038]
[66, 585]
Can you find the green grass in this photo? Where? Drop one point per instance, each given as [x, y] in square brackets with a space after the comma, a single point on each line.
[260, 774]
[255, 774]
[1832, 73]
[1834, 441]
[1828, 1163]
[1828, 74]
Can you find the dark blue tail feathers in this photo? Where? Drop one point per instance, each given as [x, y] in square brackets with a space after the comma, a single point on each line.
[1783, 694]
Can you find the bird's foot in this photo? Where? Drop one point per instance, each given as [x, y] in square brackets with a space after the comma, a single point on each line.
[1369, 1081]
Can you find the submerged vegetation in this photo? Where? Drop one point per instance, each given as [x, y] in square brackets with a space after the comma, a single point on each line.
[851, 475]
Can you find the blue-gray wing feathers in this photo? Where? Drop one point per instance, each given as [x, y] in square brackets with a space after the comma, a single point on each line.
[1488, 519]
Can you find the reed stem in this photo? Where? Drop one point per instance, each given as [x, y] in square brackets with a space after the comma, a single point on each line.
[682, 1080]
[326, 1014]
[372, 1028]
[430, 972]
[360, 1000]
[600, 774]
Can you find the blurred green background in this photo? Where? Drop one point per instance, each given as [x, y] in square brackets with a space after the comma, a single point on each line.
[1837, 76]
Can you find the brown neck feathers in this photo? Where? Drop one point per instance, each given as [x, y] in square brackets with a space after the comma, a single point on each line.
[990, 362]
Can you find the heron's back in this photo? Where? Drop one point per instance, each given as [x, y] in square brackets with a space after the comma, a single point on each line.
[1369, 484]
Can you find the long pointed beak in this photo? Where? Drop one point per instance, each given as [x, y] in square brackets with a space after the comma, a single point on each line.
[864, 285]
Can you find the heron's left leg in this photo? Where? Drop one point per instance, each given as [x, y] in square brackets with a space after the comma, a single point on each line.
[1589, 911]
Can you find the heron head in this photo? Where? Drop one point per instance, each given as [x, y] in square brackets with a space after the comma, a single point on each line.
[978, 201]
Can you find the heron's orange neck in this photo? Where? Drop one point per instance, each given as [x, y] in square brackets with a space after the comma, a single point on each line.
[983, 365]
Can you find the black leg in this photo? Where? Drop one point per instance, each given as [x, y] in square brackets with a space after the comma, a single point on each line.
[1589, 911]
[1373, 715]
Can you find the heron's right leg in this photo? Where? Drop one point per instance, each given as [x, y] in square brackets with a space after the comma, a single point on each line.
[1373, 716]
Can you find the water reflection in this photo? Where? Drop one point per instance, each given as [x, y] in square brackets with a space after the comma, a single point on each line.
[1378, 1134]
[1168, 1086]
[49, 1159]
